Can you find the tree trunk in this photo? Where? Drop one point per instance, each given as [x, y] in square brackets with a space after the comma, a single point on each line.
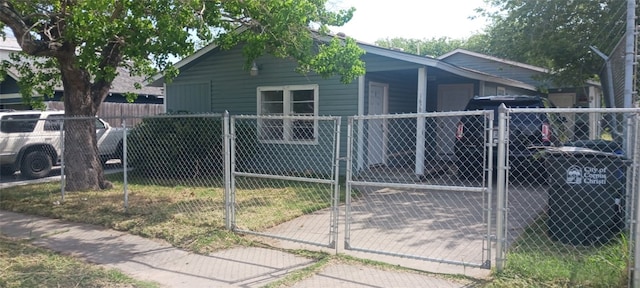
[83, 168]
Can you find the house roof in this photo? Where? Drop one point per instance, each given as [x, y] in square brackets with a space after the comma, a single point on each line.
[496, 59]
[533, 68]
[158, 79]
[123, 83]
[437, 63]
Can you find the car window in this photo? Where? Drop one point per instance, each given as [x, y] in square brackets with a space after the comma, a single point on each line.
[19, 123]
[99, 124]
[515, 117]
[53, 123]
[525, 118]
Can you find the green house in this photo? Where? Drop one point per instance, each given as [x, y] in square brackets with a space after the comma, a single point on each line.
[214, 80]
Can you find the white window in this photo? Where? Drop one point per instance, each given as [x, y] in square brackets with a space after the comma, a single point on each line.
[287, 101]
[501, 91]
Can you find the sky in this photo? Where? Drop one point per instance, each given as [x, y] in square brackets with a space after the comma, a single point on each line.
[419, 19]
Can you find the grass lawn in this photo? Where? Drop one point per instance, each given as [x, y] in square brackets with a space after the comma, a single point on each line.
[189, 217]
[24, 265]
[536, 261]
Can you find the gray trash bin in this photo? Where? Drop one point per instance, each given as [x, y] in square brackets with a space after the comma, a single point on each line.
[586, 195]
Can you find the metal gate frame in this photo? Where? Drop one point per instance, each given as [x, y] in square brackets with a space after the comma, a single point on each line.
[486, 188]
[232, 172]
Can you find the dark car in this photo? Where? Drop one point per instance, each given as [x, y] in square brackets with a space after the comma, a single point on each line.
[526, 131]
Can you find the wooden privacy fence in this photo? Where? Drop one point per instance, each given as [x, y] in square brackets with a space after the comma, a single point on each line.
[113, 112]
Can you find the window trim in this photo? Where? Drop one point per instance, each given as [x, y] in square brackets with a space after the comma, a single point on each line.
[287, 137]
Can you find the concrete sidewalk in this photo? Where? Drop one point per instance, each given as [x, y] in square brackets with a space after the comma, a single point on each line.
[153, 260]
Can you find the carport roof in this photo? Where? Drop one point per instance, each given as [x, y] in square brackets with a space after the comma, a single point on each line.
[437, 63]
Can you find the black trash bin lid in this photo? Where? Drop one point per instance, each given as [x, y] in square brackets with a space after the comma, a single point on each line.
[579, 152]
[598, 144]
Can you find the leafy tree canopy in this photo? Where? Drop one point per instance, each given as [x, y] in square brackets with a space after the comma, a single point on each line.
[95, 36]
[427, 47]
[81, 45]
[556, 34]
[434, 47]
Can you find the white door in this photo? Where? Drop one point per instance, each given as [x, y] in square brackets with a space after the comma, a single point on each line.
[376, 128]
[451, 97]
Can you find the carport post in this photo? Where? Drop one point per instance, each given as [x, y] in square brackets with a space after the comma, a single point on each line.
[501, 188]
[421, 108]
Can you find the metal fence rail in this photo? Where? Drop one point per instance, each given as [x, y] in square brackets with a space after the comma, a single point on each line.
[289, 166]
[404, 197]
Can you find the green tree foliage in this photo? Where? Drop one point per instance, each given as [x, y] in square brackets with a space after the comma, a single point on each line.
[80, 45]
[435, 47]
[555, 34]
[426, 47]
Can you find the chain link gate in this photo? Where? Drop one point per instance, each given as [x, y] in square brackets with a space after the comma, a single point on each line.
[288, 167]
[411, 193]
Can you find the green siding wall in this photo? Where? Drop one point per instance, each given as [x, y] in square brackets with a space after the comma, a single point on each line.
[233, 89]
[194, 97]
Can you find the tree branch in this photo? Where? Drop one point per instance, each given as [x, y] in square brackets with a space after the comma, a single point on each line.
[22, 31]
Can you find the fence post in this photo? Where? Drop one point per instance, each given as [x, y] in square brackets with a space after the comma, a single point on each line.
[123, 159]
[348, 175]
[62, 178]
[635, 184]
[336, 183]
[488, 181]
[501, 188]
[226, 143]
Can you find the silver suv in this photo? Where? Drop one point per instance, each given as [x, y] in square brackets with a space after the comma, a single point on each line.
[30, 141]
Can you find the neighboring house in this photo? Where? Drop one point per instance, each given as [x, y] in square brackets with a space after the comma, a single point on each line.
[10, 97]
[587, 96]
[214, 80]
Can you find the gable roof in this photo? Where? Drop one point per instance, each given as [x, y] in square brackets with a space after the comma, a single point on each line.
[491, 58]
[158, 79]
[532, 68]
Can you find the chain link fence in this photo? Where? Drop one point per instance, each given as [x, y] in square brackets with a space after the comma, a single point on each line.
[182, 155]
[568, 201]
[420, 186]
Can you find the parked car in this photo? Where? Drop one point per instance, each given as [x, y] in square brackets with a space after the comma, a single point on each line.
[30, 141]
[526, 132]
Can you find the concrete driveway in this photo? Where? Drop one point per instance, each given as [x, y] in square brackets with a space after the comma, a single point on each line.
[429, 230]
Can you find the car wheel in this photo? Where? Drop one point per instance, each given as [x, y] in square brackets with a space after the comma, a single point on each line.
[7, 170]
[36, 164]
[119, 154]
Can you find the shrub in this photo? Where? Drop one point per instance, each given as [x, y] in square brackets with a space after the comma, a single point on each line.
[179, 147]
